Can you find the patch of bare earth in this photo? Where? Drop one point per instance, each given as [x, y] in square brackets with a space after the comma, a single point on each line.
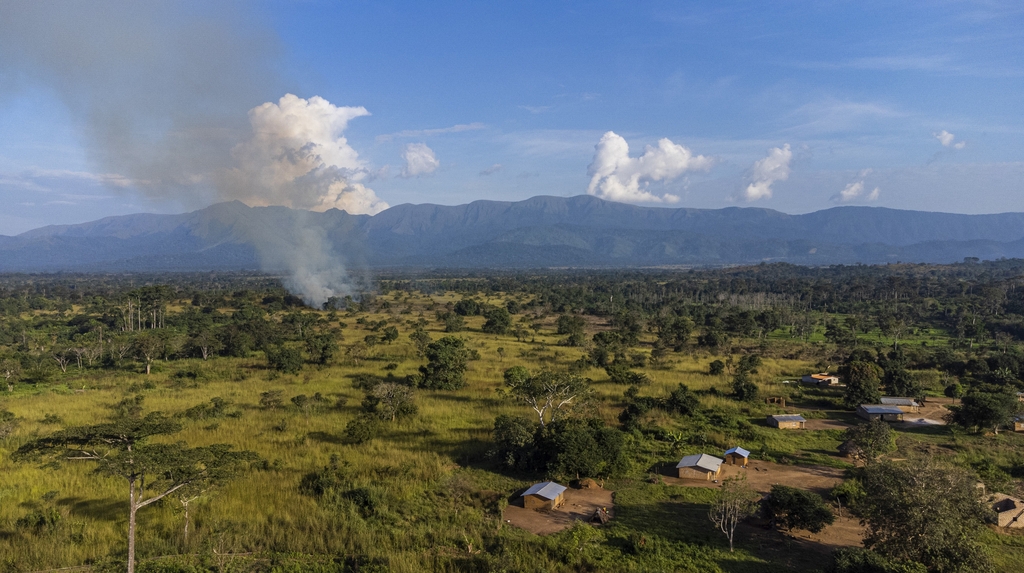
[825, 424]
[763, 475]
[932, 412]
[579, 504]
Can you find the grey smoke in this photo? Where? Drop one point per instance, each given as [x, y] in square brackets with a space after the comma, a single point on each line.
[159, 92]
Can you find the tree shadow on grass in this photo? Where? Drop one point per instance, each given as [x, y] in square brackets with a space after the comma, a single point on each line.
[100, 509]
[923, 429]
[326, 438]
[688, 522]
[452, 397]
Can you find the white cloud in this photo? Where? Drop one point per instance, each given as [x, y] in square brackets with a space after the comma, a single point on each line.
[774, 167]
[298, 157]
[458, 128]
[419, 160]
[492, 169]
[947, 140]
[616, 176]
[855, 191]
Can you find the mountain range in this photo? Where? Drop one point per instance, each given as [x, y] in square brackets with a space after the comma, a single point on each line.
[581, 231]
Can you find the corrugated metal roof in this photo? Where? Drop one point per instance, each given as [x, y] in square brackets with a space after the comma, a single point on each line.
[547, 490]
[895, 401]
[880, 409]
[787, 418]
[738, 450]
[702, 461]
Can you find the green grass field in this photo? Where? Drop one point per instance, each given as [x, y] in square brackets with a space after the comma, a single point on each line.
[261, 521]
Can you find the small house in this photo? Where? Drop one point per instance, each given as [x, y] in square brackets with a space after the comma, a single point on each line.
[544, 495]
[1009, 511]
[822, 379]
[700, 466]
[908, 405]
[787, 421]
[737, 456]
[1020, 396]
[880, 412]
[1018, 424]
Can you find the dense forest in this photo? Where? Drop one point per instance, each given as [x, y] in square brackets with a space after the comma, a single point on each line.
[215, 422]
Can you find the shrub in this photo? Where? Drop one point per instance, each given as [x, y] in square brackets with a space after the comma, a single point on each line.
[793, 508]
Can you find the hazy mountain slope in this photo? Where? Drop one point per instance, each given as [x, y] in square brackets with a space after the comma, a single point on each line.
[537, 232]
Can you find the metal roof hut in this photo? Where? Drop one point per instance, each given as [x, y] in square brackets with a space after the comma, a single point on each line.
[544, 495]
[700, 466]
[1018, 424]
[880, 412]
[736, 456]
[787, 421]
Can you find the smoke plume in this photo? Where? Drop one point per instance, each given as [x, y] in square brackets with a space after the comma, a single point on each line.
[158, 92]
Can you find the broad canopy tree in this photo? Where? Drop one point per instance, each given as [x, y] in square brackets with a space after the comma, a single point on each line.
[446, 364]
[122, 449]
[926, 513]
[548, 393]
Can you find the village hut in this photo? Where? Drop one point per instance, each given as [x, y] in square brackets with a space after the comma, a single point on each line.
[544, 495]
[1009, 511]
[1018, 424]
[700, 466]
[880, 412]
[822, 379]
[787, 421]
[737, 456]
[908, 405]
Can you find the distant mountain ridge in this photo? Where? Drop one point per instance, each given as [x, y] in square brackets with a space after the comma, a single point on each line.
[538, 232]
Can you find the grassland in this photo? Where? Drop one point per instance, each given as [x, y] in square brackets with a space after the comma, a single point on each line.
[261, 521]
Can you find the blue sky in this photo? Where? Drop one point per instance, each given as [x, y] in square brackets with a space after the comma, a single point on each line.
[111, 108]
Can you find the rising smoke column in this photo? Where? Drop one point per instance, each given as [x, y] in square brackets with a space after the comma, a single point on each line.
[158, 92]
[297, 156]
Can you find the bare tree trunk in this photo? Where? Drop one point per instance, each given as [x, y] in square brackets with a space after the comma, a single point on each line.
[186, 504]
[132, 509]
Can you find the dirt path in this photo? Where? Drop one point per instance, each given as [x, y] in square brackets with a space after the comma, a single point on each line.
[763, 475]
[579, 504]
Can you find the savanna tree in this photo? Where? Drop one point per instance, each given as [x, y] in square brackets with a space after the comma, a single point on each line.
[121, 448]
[548, 393]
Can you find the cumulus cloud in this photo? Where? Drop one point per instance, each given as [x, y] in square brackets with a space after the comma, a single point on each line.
[616, 176]
[492, 169]
[297, 156]
[947, 139]
[855, 191]
[419, 160]
[766, 171]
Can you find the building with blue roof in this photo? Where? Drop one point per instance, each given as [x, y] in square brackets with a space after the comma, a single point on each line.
[737, 456]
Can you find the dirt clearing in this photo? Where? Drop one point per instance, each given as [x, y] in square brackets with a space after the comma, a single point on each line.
[579, 504]
[826, 424]
[763, 475]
